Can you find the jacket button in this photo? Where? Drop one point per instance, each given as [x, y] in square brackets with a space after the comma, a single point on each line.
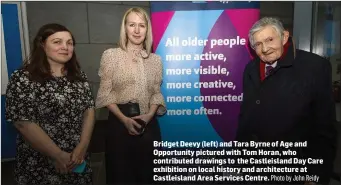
[257, 101]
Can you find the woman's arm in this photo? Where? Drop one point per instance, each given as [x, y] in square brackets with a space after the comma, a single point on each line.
[88, 127]
[152, 110]
[157, 101]
[38, 139]
[21, 110]
[79, 152]
[149, 116]
[117, 112]
[106, 94]
[42, 143]
[129, 123]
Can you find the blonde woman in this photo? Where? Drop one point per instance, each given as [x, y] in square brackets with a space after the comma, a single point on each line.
[130, 88]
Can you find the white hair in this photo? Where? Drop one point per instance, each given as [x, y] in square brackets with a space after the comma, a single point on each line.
[266, 21]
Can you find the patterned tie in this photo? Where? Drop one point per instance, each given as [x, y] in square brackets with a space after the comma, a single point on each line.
[268, 70]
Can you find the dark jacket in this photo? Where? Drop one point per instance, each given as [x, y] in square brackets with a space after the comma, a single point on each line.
[294, 103]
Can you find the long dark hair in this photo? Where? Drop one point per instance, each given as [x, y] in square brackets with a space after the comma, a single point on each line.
[38, 66]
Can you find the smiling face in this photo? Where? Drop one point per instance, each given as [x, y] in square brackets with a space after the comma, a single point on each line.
[136, 28]
[59, 47]
[268, 44]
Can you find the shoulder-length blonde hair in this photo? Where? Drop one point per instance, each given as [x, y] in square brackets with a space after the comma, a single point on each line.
[147, 43]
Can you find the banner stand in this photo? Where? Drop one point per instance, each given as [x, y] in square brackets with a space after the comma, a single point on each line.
[204, 49]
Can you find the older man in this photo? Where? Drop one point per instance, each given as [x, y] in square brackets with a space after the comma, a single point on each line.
[288, 97]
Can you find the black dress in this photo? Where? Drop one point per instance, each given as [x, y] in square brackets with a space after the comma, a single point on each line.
[57, 106]
[129, 159]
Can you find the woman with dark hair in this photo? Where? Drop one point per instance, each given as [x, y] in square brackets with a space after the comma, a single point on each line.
[50, 103]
